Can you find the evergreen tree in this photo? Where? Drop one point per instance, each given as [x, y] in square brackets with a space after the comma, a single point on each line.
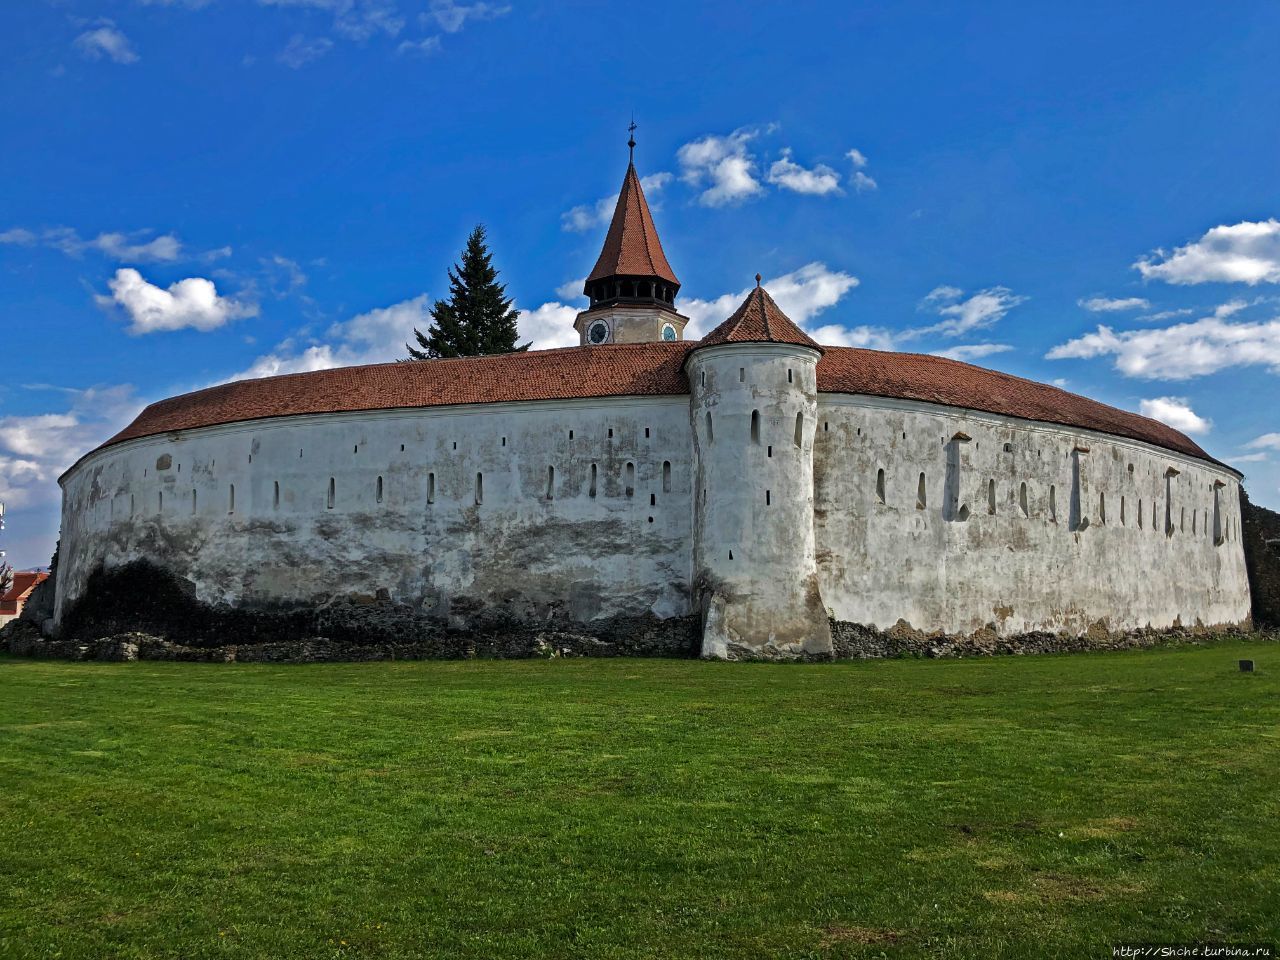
[477, 318]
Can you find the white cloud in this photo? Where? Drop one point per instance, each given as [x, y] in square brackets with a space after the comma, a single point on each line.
[1245, 252]
[1268, 441]
[801, 294]
[193, 303]
[550, 325]
[819, 181]
[35, 449]
[857, 158]
[979, 311]
[1114, 304]
[1176, 412]
[587, 216]
[1183, 350]
[572, 289]
[377, 336]
[1252, 458]
[723, 165]
[424, 47]
[861, 182]
[126, 248]
[105, 39]
[452, 17]
[301, 50]
[356, 19]
[972, 351]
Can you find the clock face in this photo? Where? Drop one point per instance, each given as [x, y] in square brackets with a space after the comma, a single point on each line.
[668, 332]
[598, 332]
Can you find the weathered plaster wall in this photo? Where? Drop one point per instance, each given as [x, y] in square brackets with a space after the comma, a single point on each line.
[753, 411]
[946, 561]
[604, 535]
[542, 547]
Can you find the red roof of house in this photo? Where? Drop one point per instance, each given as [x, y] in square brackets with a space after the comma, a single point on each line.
[632, 247]
[638, 369]
[23, 584]
[758, 320]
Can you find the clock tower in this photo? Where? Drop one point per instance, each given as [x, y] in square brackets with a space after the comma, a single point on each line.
[632, 287]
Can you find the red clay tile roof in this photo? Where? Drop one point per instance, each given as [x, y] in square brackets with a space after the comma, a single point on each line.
[758, 320]
[632, 247]
[23, 584]
[637, 369]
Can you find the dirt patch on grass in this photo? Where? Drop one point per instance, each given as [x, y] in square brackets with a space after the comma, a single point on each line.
[1107, 827]
[1050, 889]
[837, 933]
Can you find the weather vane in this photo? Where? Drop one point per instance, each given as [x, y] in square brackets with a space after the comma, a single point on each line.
[631, 141]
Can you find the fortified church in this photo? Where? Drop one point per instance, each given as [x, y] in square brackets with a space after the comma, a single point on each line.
[758, 493]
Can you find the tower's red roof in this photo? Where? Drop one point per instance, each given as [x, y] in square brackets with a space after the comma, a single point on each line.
[632, 247]
[758, 320]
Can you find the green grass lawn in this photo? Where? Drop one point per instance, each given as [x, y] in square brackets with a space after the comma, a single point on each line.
[1008, 807]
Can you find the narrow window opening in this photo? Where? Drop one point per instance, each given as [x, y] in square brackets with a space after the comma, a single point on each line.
[704, 378]
[504, 441]
[1053, 504]
[455, 444]
[479, 488]
[991, 496]
[193, 502]
[730, 554]
[799, 438]
[646, 433]
[653, 499]
[825, 426]
[768, 498]
[431, 488]
[1193, 521]
[922, 499]
[789, 380]
[355, 449]
[710, 433]
[651, 519]
[1008, 448]
[131, 504]
[755, 426]
[231, 499]
[666, 476]
[742, 374]
[611, 433]
[1102, 507]
[1140, 523]
[1022, 500]
[299, 453]
[1123, 520]
[591, 490]
[631, 479]
[251, 458]
[378, 491]
[332, 493]
[880, 484]
[402, 448]
[1182, 520]
[570, 434]
[275, 495]
[551, 483]
[160, 503]
[770, 450]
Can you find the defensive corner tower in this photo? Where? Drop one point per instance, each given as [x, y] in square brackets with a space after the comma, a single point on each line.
[753, 404]
[632, 288]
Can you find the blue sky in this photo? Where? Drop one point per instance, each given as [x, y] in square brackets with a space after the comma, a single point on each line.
[195, 190]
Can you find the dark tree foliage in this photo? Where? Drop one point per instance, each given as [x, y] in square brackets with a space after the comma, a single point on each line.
[477, 318]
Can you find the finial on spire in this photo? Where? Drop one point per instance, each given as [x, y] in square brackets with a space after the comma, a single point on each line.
[631, 140]
[757, 279]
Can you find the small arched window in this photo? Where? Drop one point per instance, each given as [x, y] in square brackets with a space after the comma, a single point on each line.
[1022, 500]
[880, 485]
[922, 500]
[755, 426]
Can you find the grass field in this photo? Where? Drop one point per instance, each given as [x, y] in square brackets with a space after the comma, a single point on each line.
[1009, 807]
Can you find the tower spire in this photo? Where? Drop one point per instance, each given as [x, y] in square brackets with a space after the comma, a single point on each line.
[631, 142]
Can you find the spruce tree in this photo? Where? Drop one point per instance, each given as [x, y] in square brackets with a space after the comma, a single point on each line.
[477, 318]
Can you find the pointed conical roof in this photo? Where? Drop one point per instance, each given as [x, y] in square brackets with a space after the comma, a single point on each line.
[631, 247]
[758, 320]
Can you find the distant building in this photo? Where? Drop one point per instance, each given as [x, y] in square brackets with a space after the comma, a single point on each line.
[12, 602]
